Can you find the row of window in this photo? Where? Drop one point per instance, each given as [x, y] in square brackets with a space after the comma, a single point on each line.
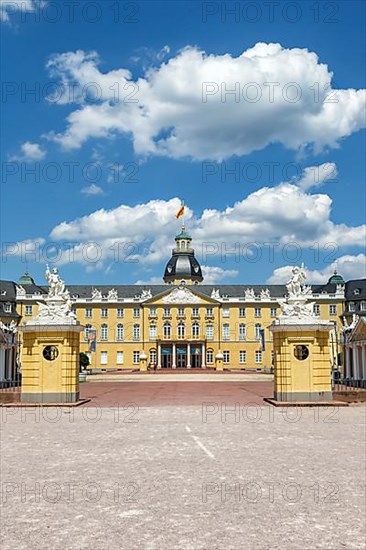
[195, 311]
[210, 358]
[181, 331]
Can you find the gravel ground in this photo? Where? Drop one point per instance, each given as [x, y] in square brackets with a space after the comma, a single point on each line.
[180, 477]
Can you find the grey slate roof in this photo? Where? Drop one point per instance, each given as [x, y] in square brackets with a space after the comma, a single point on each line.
[356, 284]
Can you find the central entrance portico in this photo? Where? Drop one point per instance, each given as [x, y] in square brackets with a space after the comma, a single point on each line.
[181, 355]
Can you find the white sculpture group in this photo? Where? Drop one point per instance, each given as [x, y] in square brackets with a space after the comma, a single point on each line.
[295, 304]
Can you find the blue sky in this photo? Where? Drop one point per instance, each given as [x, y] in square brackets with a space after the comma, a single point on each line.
[288, 170]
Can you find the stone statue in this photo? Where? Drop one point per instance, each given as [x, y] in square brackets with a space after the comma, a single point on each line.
[96, 294]
[265, 293]
[112, 294]
[215, 294]
[56, 284]
[296, 283]
[249, 294]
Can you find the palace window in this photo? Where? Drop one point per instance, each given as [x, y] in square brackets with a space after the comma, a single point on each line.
[120, 312]
[242, 331]
[88, 312]
[167, 330]
[120, 333]
[226, 331]
[28, 310]
[257, 312]
[136, 312]
[195, 311]
[7, 308]
[257, 331]
[209, 332]
[258, 356]
[181, 311]
[242, 356]
[351, 306]
[119, 357]
[104, 332]
[153, 356]
[242, 312]
[225, 312]
[104, 357]
[209, 356]
[195, 330]
[167, 312]
[104, 312]
[226, 355]
[273, 312]
[181, 330]
[136, 357]
[209, 311]
[152, 311]
[86, 332]
[316, 309]
[136, 332]
[332, 309]
[363, 305]
[152, 332]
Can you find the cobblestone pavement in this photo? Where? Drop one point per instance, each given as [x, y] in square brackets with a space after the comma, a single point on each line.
[183, 478]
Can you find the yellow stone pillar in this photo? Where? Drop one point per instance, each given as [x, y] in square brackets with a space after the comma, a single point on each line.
[143, 361]
[50, 363]
[219, 361]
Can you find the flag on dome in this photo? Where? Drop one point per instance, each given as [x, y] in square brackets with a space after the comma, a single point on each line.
[180, 211]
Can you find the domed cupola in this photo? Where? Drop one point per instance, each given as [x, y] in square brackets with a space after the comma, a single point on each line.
[183, 266]
[336, 279]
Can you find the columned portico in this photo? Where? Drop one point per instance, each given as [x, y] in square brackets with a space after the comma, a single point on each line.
[181, 354]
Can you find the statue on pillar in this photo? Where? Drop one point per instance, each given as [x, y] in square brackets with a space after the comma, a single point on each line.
[56, 284]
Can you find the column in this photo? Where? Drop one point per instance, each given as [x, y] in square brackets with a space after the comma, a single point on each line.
[203, 352]
[363, 355]
[188, 355]
[174, 361]
[347, 370]
[159, 356]
[356, 372]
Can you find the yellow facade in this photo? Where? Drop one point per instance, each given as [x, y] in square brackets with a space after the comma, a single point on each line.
[125, 329]
[50, 364]
[303, 363]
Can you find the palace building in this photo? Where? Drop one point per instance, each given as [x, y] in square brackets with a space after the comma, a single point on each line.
[182, 323]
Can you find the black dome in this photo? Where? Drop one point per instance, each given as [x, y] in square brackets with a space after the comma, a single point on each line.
[183, 265]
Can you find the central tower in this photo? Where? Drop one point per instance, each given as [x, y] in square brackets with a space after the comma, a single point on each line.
[183, 268]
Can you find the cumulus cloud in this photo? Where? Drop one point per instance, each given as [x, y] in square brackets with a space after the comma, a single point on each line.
[9, 7]
[30, 151]
[214, 275]
[314, 176]
[350, 267]
[92, 190]
[181, 108]
[281, 215]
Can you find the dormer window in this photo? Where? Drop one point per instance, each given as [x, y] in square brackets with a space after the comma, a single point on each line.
[356, 291]
[7, 308]
[3, 293]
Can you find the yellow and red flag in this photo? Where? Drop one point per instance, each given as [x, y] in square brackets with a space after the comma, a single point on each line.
[180, 211]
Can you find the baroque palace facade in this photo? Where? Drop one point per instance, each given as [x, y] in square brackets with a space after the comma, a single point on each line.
[181, 323]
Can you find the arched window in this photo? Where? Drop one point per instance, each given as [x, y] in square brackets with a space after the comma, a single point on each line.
[167, 330]
[181, 330]
[195, 330]
[242, 331]
[209, 356]
[104, 332]
[153, 356]
[152, 331]
[136, 332]
[86, 332]
[119, 332]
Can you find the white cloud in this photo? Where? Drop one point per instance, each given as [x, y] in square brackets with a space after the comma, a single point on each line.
[214, 275]
[9, 7]
[165, 114]
[151, 281]
[92, 190]
[350, 267]
[314, 176]
[30, 151]
[281, 215]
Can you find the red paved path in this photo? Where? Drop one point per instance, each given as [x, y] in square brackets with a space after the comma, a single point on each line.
[152, 394]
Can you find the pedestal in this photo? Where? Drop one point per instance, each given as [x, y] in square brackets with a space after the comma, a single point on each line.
[302, 362]
[143, 361]
[50, 363]
[219, 361]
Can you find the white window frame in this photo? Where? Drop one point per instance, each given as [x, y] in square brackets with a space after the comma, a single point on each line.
[209, 332]
[242, 312]
[226, 312]
[273, 312]
[120, 312]
[209, 356]
[242, 334]
[226, 357]
[120, 332]
[167, 330]
[257, 312]
[136, 313]
[136, 332]
[226, 332]
[136, 357]
[332, 309]
[88, 312]
[28, 310]
[258, 357]
[242, 356]
[104, 332]
[104, 312]
[104, 357]
[153, 330]
[119, 358]
[195, 330]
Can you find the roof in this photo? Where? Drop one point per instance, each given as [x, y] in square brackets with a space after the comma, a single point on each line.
[183, 235]
[358, 285]
[26, 279]
[336, 279]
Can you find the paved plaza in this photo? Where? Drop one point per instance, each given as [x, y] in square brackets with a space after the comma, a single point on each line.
[165, 474]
